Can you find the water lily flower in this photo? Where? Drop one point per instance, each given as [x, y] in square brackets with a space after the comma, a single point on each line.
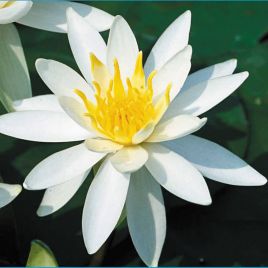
[135, 122]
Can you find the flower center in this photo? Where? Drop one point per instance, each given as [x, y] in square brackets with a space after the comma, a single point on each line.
[4, 4]
[122, 111]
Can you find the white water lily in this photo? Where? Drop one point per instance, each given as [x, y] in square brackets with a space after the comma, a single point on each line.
[122, 113]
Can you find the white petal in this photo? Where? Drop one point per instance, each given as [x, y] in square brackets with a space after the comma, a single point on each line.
[176, 127]
[8, 192]
[175, 71]
[146, 216]
[215, 162]
[205, 95]
[42, 103]
[84, 40]
[103, 206]
[218, 70]
[174, 39]
[177, 175]
[77, 112]
[42, 126]
[123, 46]
[103, 146]
[61, 79]
[51, 16]
[15, 11]
[14, 76]
[57, 196]
[143, 134]
[129, 159]
[61, 167]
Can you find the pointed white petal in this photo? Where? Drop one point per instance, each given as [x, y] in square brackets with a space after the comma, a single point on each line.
[215, 162]
[77, 111]
[57, 196]
[129, 159]
[146, 216]
[175, 71]
[103, 146]
[61, 79]
[61, 167]
[177, 175]
[218, 70]
[176, 127]
[51, 16]
[143, 133]
[84, 40]
[123, 46]
[174, 39]
[103, 206]
[42, 126]
[15, 11]
[47, 102]
[8, 192]
[14, 76]
[205, 95]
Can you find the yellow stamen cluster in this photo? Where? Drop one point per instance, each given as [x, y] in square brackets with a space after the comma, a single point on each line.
[4, 4]
[122, 110]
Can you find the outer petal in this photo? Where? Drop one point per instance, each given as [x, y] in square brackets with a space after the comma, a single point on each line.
[103, 206]
[17, 10]
[14, 77]
[129, 159]
[8, 192]
[61, 167]
[215, 162]
[84, 40]
[174, 39]
[61, 79]
[218, 70]
[42, 103]
[175, 71]
[57, 196]
[146, 216]
[42, 126]
[176, 127]
[123, 46]
[177, 175]
[205, 95]
[51, 16]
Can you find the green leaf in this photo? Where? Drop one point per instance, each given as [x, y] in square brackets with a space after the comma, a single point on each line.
[41, 255]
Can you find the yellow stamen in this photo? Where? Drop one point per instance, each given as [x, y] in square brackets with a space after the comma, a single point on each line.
[99, 72]
[122, 112]
[118, 87]
[4, 4]
[138, 77]
[89, 106]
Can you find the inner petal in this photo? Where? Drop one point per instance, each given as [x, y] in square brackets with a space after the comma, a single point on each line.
[120, 111]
